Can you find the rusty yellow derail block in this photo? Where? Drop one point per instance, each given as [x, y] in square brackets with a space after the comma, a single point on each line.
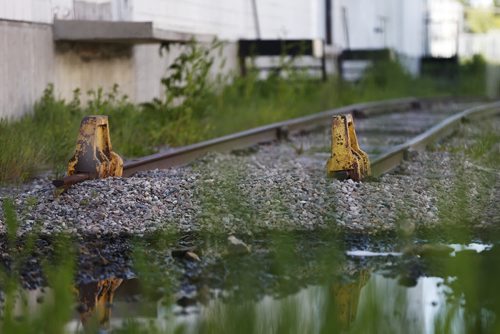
[347, 158]
[94, 156]
[96, 300]
[346, 298]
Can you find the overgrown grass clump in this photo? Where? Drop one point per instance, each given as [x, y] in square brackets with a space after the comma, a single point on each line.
[195, 107]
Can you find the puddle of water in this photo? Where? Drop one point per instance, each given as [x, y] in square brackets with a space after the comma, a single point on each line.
[364, 253]
[300, 286]
[423, 305]
[472, 246]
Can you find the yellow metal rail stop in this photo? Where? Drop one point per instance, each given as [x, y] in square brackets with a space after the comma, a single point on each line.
[347, 159]
[94, 157]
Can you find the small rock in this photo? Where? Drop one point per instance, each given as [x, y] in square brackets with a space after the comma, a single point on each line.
[192, 256]
[236, 246]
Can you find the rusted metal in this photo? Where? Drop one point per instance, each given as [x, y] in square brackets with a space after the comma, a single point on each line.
[347, 158]
[96, 301]
[346, 297]
[94, 156]
[70, 180]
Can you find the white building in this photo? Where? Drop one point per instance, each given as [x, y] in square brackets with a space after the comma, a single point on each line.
[30, 57]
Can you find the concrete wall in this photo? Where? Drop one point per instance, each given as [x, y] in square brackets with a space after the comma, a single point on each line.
[30, 60]
[90, 66]
[27, 65]
[149, 67]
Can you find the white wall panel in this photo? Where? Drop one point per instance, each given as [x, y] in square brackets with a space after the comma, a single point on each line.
[412, 28]
[62, 9]
[230, 19]
[396, 24]
[26, 10]
[43, 11]
[27, 65]
[446, 17]
[363, 17]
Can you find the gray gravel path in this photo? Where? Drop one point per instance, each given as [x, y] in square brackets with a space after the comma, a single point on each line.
[281, 186]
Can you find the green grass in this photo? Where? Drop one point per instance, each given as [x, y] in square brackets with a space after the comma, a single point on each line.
[196, 108]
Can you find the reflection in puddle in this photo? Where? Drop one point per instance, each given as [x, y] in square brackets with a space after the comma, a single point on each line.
[424, 289]
[362, 253]
[365, 298]
[306, 310]
[96, 300]
[472, 246]
[404, 310]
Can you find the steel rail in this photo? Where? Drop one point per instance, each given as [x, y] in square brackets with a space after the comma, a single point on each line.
[268, 133]
[276, 131]
[393, 158]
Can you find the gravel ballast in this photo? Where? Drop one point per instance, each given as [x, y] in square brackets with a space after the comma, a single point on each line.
[274, 186]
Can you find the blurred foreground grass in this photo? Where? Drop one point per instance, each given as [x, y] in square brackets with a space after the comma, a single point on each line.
[196, 108]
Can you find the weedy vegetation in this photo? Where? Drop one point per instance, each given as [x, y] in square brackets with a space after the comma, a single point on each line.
[196, 106]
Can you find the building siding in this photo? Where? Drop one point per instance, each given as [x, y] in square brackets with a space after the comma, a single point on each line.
[231, 19]
[26, 65]
[29, 59]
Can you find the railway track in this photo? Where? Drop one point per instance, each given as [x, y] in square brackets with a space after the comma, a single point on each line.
[269, 178]
[273, 176]
[399, 119]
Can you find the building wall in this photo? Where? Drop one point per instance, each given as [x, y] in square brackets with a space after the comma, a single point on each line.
[375, 24]
[228, 19]
[445, 21]
[380, 23]
[26, 65]
[44, 11]
[486, 44]
[30, 60]
[88, 67]
[233, 19]
[39, 11]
